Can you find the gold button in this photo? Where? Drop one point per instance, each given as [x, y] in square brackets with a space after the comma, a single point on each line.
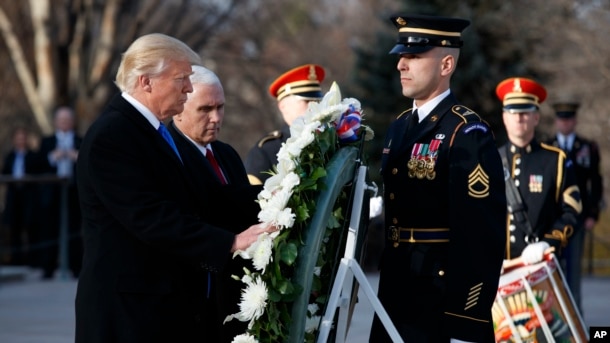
[395, 244]
[441, 272]
[395, 171]
[394, 221]
[391, 196]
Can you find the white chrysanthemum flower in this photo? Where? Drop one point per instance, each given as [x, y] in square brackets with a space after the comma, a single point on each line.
[273, 188]
[312, 324]
[281, 218]
[298, 125]
[285, 218]
[244, 338]
[290, 181]
[293, 149]
[351, 101]
[280, 198]
[268, 215]
[264, 196]
[262, 254]
[305, 139]
[312, 309]
[286, 166]
[284, 154]
[253, 301]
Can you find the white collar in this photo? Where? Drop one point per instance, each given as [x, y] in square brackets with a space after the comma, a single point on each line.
[152, 119]
[426, 108]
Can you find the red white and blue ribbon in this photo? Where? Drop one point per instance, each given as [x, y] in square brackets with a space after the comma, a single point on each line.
[349, 125]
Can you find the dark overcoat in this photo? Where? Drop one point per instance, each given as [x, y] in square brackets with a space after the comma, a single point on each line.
[236, 198]
[147, 249]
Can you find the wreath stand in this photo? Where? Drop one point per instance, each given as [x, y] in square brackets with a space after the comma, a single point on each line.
[349, 268]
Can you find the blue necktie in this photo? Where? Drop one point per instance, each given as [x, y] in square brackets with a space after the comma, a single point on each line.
[168, 138]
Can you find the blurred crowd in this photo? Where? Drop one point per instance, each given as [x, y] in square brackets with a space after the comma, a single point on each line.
[40, 198]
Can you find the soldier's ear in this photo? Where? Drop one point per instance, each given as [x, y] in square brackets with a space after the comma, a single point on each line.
[447, 64]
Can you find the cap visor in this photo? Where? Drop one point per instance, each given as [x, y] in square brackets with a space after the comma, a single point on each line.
[400, 49]
[520, 108]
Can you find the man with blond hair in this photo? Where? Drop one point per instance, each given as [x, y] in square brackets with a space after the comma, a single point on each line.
[147, 249]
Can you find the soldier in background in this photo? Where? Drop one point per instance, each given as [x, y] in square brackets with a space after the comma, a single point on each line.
[584, 154]
[544, 177]
[293, 90]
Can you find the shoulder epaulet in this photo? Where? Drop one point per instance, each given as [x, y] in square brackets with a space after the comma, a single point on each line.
[466, 114]
[277, 134]
[407, 111]
[553, 148]
[471, 121]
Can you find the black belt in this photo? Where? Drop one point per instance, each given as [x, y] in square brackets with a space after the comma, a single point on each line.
[417, 235]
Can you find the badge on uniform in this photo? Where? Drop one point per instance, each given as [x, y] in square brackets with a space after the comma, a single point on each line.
[423, 159]
[583, 157]
[478, 183]
[535, 184]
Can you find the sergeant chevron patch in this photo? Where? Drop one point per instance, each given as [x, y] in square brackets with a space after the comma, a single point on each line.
[571, 196]
[478, 183]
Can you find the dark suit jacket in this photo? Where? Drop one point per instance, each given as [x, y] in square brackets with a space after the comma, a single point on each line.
[146, 245]
[238, 198]
[19, 206]
[585, 155]
[48, 144]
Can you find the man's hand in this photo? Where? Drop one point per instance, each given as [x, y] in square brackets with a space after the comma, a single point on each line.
[534, 252]
[244, 239]
[375, 206]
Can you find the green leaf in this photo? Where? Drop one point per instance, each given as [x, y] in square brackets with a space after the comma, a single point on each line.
[289, 253]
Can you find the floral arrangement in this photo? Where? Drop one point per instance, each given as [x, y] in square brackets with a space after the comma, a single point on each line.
[288, 201]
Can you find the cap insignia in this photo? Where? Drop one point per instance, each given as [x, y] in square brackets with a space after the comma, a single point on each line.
[401, 21]
[517, 86]
[312, 73]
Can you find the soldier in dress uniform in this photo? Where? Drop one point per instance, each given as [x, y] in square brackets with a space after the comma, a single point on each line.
[542, 174]
[584, 154]
[293, 90]
[444, 198]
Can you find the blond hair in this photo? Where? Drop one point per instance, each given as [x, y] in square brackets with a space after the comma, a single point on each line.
[149, 55]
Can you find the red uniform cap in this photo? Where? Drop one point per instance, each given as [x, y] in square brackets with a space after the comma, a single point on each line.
[303, 81]
[520, 94]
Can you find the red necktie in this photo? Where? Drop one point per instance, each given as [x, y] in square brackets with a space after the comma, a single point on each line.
[210, 156]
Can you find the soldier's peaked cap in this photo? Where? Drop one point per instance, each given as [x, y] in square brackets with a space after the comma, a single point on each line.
[566, 109]
[303, 81]
[519, 94]
[420, 33]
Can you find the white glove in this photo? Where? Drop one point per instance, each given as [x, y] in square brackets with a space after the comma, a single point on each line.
[375, 206]
[534, 252]
[455, 340]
